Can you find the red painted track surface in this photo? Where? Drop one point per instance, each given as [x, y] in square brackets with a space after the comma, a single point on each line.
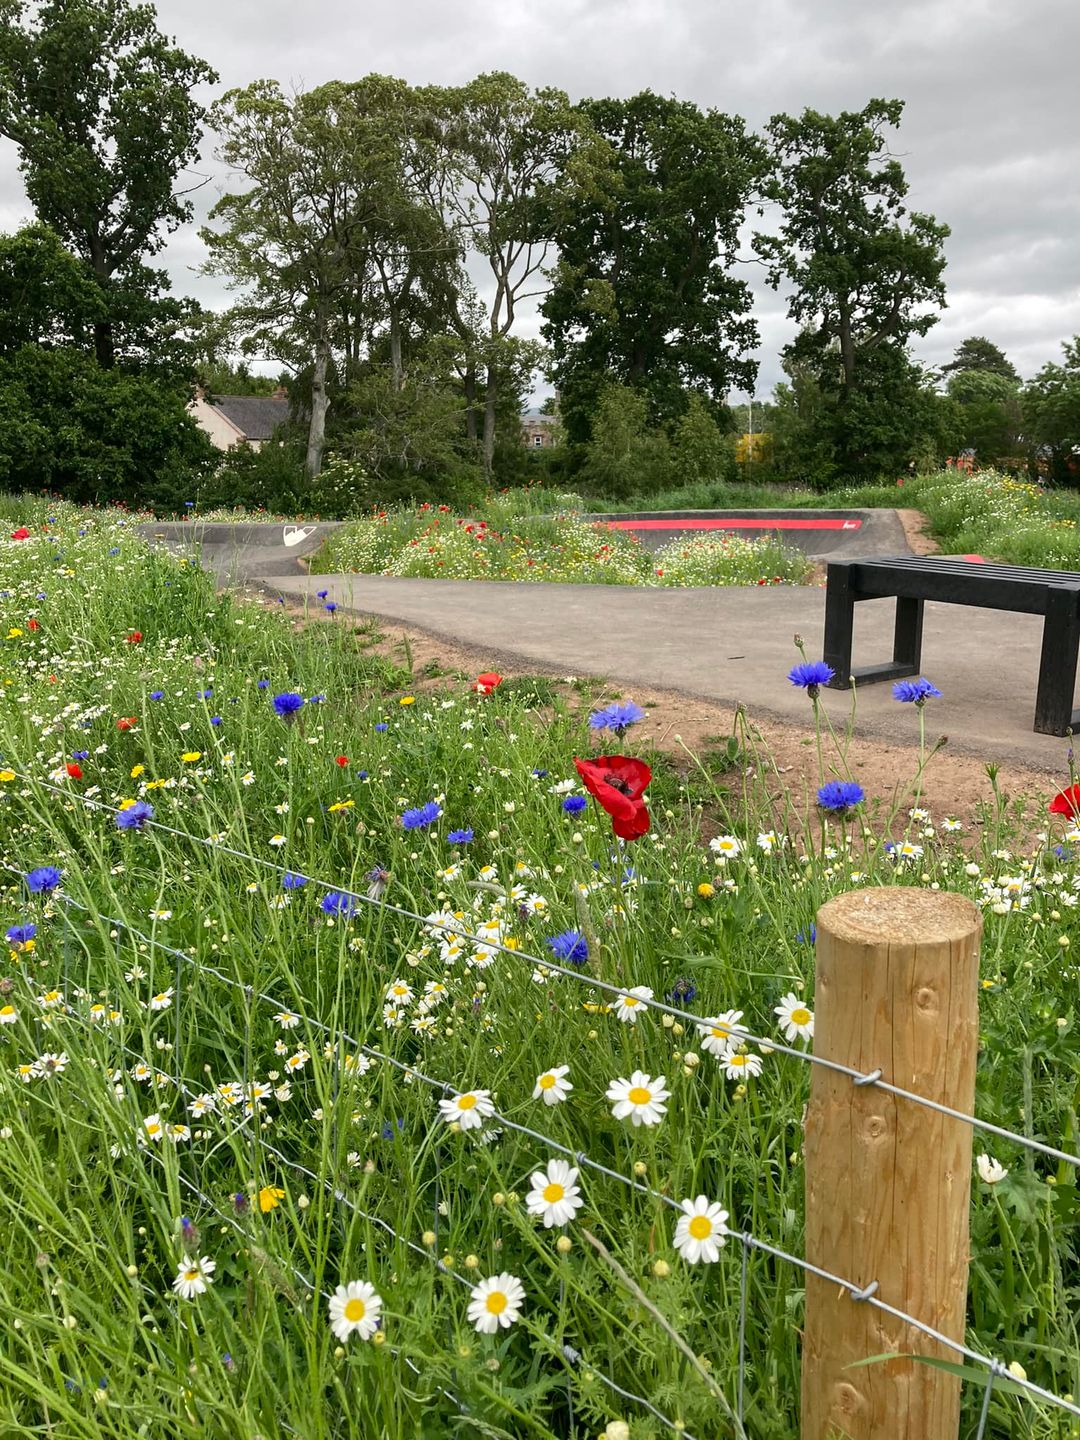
[735, 524]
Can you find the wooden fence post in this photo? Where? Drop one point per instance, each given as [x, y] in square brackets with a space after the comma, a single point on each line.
[888, 1182]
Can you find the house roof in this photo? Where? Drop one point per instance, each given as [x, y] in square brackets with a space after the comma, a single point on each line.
[534, 417]
[255, 416]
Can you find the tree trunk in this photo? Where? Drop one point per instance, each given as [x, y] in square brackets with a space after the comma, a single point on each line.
[104, 344]
[491, 395]
[320, 403]
[396, 368]
[469, 385]
[104, 349]
[847, 351]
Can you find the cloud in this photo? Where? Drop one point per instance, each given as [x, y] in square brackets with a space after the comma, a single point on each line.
[989, 139]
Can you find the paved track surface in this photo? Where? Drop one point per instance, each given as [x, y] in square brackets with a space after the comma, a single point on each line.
[822, 534]
[731, 645]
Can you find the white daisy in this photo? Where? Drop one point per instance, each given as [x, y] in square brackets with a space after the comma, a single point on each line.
[355, 1310]
[152, 1127]
[193, 1276]
[796, 1020]
[555, 1195]
[398, 992]
[496, 1303]
[287, 1020]
[553, 1087]
[990, 1171]
[639, 1099]
[163, 1000]
[725, 847]
[470, 1109]
[701, 1230]
[738, 1066]
[629, 1004]
[720, 1035]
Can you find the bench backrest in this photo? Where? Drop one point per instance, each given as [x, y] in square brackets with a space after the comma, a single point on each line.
[1020, 588]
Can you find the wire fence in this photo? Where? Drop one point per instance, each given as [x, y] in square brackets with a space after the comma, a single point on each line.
[750, 1243]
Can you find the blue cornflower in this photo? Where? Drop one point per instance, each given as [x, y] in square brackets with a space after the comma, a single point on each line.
[539, 774]
[682, 992]
[157, 694]
[115, 550]
[264, 684]
[840, 795]
[616, 718]
[574, 804]
[80, 754]
[135, 815]
[216, 720]
[189, 504]
[20, 934]
[322, 594]
[292, 881]
[422, 817]
[43, 879]
[205, 694]
[388, 1131]
[460, 837]
[361, 774]
[569, 945]
[382, 725]
[316, 699]
[807, 937]
[287, 704]
[336, 902]
[811, 676]
[915, 692]
[330, 606]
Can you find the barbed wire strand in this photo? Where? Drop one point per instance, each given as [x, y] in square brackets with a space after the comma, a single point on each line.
[854, 1291]
[342, 1198]
[768, 1045]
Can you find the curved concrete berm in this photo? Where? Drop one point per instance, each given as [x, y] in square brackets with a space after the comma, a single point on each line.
[821, 534]
[244, 551]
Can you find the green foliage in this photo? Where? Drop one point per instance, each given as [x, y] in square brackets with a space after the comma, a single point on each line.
[988, 418]
[623, 455]
[866, 275]
[701, 453]
[645, 293]
[1052, 415]
[100, 105]
[93, 434]
[981, 355]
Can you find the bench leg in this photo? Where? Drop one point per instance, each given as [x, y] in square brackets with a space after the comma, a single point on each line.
[839, 622]
[1057, 665]
[907, 636]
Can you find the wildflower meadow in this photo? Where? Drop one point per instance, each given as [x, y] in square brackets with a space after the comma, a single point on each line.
[393, 1061]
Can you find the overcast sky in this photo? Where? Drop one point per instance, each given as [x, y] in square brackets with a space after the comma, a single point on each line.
[990, 139]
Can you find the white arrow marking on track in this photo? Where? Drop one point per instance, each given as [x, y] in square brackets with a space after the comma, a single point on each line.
[295, 536]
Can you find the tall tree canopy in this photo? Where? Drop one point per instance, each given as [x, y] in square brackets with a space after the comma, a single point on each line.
[1052, 415]
[100, 105]
[978, 353]
[644, 293]
[865, 273]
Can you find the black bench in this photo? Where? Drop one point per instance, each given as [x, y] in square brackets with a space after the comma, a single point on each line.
[913, 580]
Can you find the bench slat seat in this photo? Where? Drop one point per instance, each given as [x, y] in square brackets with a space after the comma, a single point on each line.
[914, 579]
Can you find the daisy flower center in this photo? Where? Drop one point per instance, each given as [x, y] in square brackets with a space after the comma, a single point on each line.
[720, 1031]
[638, 1095]
[800, 1017]
[354, 1311]
[736, 1059]
[466, 1102]
[630, 1001]
[192, 1274]
[495, 1303]
[700, 1227]
[553, 1192]
[546, 1081]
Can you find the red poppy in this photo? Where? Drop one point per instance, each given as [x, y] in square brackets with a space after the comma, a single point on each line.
[487, 682]
[32, 625]
[133, 637]
[618, 783]
[127, 722]
[342, 760]
[1067, 803]
[21, 534]
[75, 771]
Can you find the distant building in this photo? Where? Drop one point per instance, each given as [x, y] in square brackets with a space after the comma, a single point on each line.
[539, 431]
[240, 419]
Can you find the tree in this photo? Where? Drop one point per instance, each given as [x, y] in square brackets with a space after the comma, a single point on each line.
[502, 161]
[979, 354]
[1052, 415]
[100, 105]
[644, 291]
[47, 295]
[320, 169]
[866, 273]
[988, 412]
[624, 456]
